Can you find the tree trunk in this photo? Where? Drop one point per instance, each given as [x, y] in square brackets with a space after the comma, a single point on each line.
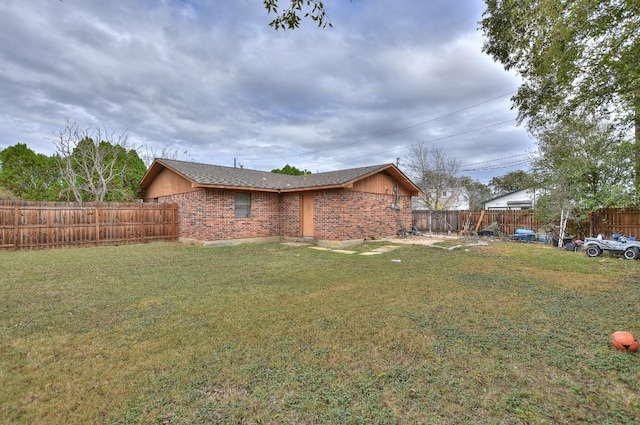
[563, 225]
[636, 149]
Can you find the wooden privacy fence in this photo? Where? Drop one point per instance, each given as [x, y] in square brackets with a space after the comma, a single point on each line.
[610, 221]
[455, 221]
[40, 225]
[606, 221]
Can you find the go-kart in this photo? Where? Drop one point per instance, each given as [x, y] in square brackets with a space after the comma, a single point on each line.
[626, 246]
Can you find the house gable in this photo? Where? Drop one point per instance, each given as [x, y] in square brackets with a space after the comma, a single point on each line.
[167, 182]
[383, 183]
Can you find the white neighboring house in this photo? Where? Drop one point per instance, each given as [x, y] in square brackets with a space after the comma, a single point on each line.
[452, 199]
[523, 199]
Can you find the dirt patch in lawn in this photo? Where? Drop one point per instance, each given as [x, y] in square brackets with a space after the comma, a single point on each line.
[426, 239]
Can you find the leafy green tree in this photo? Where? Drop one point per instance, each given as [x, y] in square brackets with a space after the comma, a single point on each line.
[510, 182]
[579, 55]
[126, 184]
[584, 166]
[29, 176]
[291, 170]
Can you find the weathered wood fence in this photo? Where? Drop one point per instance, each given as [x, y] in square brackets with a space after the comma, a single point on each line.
[41, 225]
[607, 221]
[457, 221]
[610, 221]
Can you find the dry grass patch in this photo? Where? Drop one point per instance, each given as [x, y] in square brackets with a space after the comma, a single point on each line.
[166, 333]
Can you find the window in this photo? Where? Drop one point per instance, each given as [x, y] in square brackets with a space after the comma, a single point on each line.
[243, 205]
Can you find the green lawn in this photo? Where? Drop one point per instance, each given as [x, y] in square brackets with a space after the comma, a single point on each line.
[171, 334]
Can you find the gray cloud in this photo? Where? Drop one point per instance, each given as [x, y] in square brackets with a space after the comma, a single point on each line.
[212, 79]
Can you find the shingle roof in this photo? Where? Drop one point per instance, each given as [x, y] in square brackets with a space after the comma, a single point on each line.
[504, 195]
[208, 175]
[216, 175]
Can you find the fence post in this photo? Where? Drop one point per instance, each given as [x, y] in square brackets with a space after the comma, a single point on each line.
[49, 226]
[140, 207]
[97, 223]
[16, 224]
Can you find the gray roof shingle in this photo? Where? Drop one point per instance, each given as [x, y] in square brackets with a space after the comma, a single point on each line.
[216, 175]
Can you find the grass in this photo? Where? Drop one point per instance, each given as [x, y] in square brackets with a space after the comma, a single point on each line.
[166, 333]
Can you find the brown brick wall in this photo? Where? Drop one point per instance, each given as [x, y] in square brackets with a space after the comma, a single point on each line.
[349, 215]
[290, 215]
[209, 215]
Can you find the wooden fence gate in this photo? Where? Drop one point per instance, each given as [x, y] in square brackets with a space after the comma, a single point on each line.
[41, 225]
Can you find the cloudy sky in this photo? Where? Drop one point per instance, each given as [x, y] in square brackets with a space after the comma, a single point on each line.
[215, 83]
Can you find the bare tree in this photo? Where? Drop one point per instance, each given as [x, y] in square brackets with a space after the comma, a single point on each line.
[93, 162]
[434, 172]
[167, 152]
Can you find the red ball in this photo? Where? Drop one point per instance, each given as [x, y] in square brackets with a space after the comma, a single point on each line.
[625, 341]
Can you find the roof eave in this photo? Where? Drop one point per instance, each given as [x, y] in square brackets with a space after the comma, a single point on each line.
[413, 189]
[232, 187]
[155, 169]
[268, 189]
[311, 188]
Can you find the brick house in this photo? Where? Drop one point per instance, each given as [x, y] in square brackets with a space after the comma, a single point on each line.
[225, 205]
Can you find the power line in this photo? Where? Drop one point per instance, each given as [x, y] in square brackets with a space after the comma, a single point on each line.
[388, 133]
[546, 83]
[494, 160]
[484, 165]
[497, 166]
[509, 164]
[450, 136]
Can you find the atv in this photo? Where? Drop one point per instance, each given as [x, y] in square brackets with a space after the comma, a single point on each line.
[626, 246]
